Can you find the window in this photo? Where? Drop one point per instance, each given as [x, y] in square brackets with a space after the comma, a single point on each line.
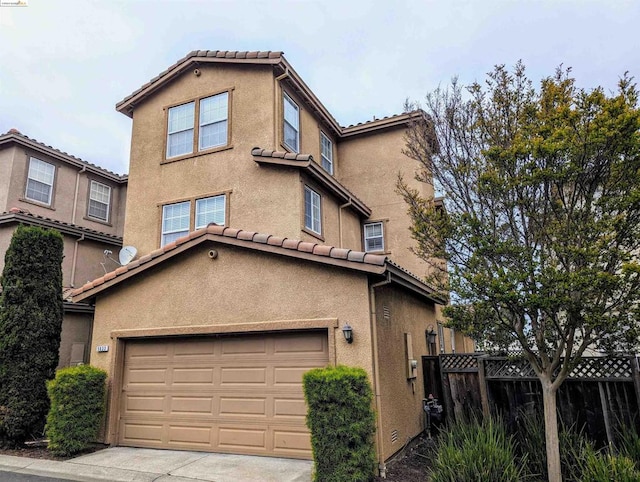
[291, 124]
[176, 218]
[99, 199]
[312, 210]
[373, 237]
[180, 131]
[213, 121]
[40, 181]
[210, 210]
[212, 125]
[326, 153]
[175, 221]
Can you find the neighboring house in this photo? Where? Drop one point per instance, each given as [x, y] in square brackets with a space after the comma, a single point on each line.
[265, 229]
[42, 186]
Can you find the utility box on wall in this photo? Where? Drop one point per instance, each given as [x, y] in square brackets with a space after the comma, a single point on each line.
[412, 364]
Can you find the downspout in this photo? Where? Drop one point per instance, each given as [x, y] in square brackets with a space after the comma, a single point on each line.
[75, 259]
[340, 208]
[75, 198]
[376, 373]
[275, 106]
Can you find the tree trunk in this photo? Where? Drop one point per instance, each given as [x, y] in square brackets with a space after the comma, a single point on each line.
[551, 433]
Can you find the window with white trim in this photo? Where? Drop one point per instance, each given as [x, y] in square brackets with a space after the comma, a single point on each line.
[175, 221]
[210, 210]
[312, 210]
[213, 121]
[326, 153]
[211, 128]
[99, 201]
[180, 130]
[374, 237]
[40, 181]
[291, 124]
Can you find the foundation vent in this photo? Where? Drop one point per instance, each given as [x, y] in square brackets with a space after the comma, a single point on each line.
[386, 312]
[394, 436]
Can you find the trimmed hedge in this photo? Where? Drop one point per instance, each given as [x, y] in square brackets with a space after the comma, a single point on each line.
[77, 406]
[342, 423]
[30, 326]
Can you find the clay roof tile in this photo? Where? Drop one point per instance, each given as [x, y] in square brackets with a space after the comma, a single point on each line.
[322, 250]
[306, 247]
[246, 235]
[261, 238]
[231, 232]
[357, 256]
[375, 259]
[290, 243]
[215, 229]
[275, 241]
[340, 253]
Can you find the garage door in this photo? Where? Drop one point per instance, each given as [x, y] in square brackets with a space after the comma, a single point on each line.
[236, 394]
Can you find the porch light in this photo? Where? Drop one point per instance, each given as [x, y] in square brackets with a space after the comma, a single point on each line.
[347, 331]
[431, 336]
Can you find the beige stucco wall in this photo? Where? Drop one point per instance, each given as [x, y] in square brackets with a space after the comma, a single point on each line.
[401, 398]
[76, 328]
[6, 166]
[369, 166]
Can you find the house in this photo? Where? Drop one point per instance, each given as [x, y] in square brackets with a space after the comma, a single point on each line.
[42, 186]
[267, 233]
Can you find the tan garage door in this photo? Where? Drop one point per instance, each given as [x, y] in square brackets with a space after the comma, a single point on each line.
[237, 394]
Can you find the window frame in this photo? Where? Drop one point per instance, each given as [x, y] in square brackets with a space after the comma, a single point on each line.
[89, 199]
[310, 229]
[193, 213]
[196, 149]
[286, 97]
[324, 158]
[164, 232]
[224, 210]
[49, 202]
[382, 224]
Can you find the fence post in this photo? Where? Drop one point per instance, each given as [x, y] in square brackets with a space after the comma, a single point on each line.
[635, 374]
[482, 382]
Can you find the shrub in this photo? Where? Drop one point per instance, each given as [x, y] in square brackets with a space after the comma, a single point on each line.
[473, 450]
[628, 442]
[77, 407]
[602, 467]
[30, 325]
[342, 423]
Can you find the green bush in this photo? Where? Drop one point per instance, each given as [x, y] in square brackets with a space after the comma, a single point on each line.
[77, 407]
[602, 467]
[476, 451]
[628, 442]
[342, 423]
[30, 325]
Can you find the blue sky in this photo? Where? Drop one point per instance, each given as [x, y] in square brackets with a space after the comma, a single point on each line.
[65, 63]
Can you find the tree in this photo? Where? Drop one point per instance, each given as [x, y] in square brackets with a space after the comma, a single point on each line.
[541, 227]
[30, 325]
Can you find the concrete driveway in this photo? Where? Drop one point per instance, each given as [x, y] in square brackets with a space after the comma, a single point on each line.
[146, 465]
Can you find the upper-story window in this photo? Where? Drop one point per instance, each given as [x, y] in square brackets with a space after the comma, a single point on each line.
[40, 181]
[291, 124]
[326, 153]
[176, 217]
[374, 237]
[312, 210]
[211, 130]
[99, 201]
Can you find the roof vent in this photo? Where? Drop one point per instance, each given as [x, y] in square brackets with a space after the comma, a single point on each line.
[386, 312]
[394, 436]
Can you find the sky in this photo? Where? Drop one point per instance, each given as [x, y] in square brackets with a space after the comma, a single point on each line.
[64, 64]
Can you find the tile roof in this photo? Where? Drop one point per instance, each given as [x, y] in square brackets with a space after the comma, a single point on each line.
[16, 135]
[347, 258]
[306, 162]
[22, 215]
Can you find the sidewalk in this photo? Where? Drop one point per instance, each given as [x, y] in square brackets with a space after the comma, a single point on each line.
[145, 465]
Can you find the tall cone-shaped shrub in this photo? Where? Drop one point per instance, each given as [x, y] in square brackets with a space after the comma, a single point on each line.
[30, 325]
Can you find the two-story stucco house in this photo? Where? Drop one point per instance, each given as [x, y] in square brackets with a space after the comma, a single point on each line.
[266, 232]
[42, 186]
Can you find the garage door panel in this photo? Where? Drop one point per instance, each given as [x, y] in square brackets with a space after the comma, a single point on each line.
[235, 394]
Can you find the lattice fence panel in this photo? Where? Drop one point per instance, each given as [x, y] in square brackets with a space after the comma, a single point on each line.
[589, 368]
[467, 362]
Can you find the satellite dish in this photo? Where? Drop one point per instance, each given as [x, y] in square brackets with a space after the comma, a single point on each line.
[127, 254]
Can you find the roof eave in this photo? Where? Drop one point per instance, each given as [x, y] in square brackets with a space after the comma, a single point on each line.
[401, 120]
[414, 285]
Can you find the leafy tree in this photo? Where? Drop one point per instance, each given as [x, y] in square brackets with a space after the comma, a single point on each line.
[30, 325]
[541, 227]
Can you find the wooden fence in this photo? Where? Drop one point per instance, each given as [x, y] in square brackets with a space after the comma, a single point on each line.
[599, 394]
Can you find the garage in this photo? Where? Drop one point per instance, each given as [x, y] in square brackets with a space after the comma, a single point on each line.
[229, 393]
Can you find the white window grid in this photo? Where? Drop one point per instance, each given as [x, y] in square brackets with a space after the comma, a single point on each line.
[99, 199]
[326, 153]
[374, 237]
[210, 210]
[175, 221]
[291, 124]
[312, 211]
[40, 181]
[180, 130]
[214, 112]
